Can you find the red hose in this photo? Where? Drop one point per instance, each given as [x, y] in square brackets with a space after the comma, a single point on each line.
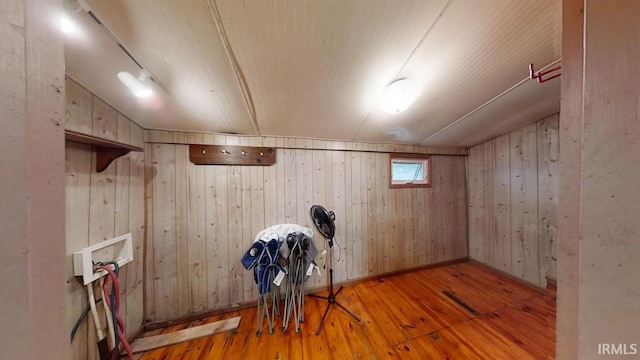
[120, 325]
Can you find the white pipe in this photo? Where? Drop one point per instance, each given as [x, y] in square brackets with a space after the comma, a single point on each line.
[94, 311]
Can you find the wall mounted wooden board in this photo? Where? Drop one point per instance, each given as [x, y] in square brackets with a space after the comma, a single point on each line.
[231, 155]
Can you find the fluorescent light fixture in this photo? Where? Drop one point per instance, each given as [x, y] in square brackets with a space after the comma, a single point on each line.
[399, 95]
[134, 85]
[67, 26]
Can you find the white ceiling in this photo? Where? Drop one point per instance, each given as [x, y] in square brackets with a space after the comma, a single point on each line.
[309, 68]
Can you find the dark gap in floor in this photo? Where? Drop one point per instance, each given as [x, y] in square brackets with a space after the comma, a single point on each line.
[459, 301]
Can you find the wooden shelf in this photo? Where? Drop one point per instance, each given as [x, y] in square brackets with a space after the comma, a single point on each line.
[106, 150]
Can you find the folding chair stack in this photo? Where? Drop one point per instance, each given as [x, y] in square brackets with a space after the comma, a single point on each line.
[299, 245]
[291, 253]
[264, 274]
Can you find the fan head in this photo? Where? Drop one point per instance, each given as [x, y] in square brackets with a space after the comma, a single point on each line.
[324, 221]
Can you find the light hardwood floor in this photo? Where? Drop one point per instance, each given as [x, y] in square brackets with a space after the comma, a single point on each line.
[403, 317]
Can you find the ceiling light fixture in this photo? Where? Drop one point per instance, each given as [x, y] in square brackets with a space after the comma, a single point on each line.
[66, 26]
[134, 84]
[399, 95]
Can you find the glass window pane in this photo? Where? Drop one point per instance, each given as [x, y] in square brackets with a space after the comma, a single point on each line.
[410, 171]
[407, 171]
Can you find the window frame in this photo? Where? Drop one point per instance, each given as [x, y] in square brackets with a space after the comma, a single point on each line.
[426, 159]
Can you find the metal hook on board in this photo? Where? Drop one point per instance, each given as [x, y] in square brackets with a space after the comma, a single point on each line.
[539, 75]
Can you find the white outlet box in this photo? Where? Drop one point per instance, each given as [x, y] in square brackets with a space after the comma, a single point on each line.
[119, 249]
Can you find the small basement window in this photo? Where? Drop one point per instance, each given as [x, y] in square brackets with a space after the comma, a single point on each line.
[410, 170]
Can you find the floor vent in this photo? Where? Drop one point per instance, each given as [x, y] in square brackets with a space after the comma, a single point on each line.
[453, 297]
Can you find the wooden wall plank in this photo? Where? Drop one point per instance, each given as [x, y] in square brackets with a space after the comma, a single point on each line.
[424, 208]
[78, 170]
[571, 141]
[135, 288]
[372, 212]
[257, 210]
[357, 239]
[102, 206]
[79, 108]
[178, 137]
[396, 248]
[337, 185]
[445, 200]
[328, 201]
[524, 204]
[382, 209]
[149, 261]
[123, 128]
[280, 183]
[214, 257]
[453, 189]
[476, 203]
[366, 192]
[304, 189]
[196, 230]
[104, 120]
[459, 218]
[236, 189]
[349, 216]
[160, 136]
[318, 184]
[409, 249]
[165, 265]
[318, 178]
[247, 235]
[489, 213]
[181, 225]
[548, 168]
[270, 188]
[122, 184]
[502, 203]
[422, 216]
[218, 227]
[290, 186]
[137, 135]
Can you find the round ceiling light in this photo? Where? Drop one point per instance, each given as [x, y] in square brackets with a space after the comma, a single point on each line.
[67, 26]
[399, 95]
[134, 85]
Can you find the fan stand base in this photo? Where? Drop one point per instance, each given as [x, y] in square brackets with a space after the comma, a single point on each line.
[331, 300]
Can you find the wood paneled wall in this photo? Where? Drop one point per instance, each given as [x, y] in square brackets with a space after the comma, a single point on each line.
[599, 291]
[201, 219]
[100, 206]
[32, 268]
[513, 201]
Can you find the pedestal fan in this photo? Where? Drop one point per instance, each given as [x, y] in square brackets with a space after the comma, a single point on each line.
[324, 222]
